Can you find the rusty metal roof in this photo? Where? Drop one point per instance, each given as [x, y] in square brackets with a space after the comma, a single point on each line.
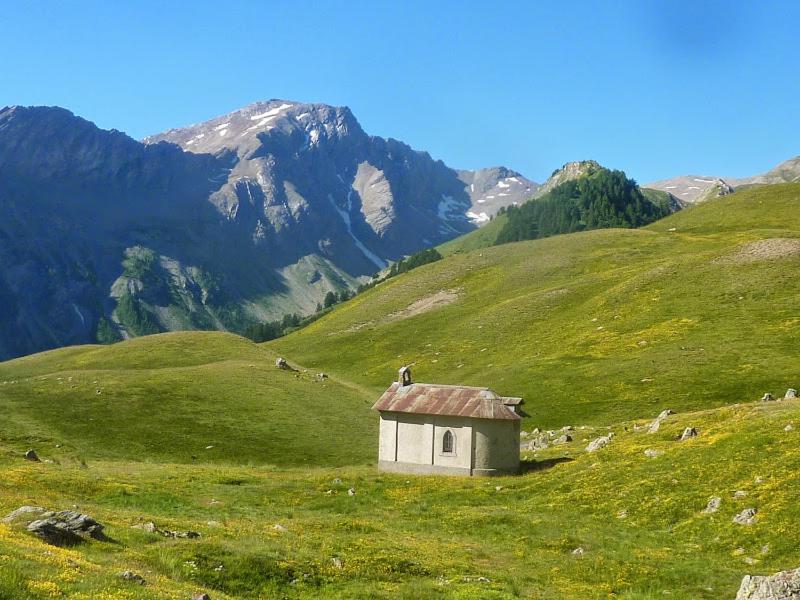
[452, 400]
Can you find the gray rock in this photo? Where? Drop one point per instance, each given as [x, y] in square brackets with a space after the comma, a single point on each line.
[278, 527]
[282, 364]
[351, 492]
[32, 456]
[656, 424]
[599, 443]
[688, 433]
[789, 428]
[578, 551]
[790, 393]
[738, 494]
[780, 586]
[28, 511]
[337, 562]
[132, 577]
[767, 397]
[537, 441]
[148, 527]
[204, 596]
[746, 517]
[564, 439]
[66, 528]
[713, 505]
[337, 481]
[650, 453]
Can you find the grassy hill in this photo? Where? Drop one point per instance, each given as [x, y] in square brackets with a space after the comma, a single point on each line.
[639, 520]
[168, 397]
[697, 310]
[598, 330]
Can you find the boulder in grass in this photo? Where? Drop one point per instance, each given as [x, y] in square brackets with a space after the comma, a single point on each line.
[767, 397]
[133, 577]
[746, 517]
[713, 505]
[790, 393]
[66, 528]
[688, 433]
[24, 511]
[780, 586]
[32, 456]
[599, 443]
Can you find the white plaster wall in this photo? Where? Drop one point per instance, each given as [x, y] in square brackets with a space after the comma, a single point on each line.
[414, 438]
[388, 437]
[462, 429]
[496, 444]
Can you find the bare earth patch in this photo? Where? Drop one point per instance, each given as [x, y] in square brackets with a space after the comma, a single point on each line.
[423, 305]
[769, 249]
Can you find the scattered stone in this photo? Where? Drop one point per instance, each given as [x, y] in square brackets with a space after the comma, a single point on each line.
[282, 364]
[23, 510]
[66, 528]
[780, 586]
[538, 441]
[209, 447]
[650, 453]
[567, 429]
[564, 439]
[497, 488]
[740, 494]
[767, 397]
[151, 527]
[623, 514]
[337, 562]
[322, 376]
[656, 424]
[598, 443]
[746, 517]
[713, 505]
[578, 551]
[351, 492]
[202, 596]
[689, 432]
[337, 481]
[789, 428]
[790, 393]
[278, 527]
[32, 456]
[132, 577]
[483, 580]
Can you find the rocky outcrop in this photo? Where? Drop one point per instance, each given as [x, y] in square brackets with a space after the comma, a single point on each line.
[780, 586]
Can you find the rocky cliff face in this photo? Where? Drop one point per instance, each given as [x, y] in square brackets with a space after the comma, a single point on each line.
[243, 218]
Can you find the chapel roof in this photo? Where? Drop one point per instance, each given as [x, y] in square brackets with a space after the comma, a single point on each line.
[450, 400]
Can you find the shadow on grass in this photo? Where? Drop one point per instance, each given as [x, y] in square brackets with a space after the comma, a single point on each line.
[529, 466]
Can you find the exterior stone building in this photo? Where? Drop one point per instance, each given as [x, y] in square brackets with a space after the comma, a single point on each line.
[446, 429]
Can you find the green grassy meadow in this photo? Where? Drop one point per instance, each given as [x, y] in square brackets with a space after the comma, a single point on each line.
[599, 330]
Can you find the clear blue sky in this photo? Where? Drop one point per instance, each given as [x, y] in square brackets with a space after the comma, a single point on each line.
[656, 88]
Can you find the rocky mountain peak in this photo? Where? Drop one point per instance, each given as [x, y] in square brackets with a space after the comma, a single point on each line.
[568, 172]
[247, 129]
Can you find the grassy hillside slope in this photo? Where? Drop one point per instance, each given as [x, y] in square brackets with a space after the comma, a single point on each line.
[168, 397]
[698, 310]
[639, 520]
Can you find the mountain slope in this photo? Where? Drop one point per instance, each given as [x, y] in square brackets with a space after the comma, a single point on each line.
[591, 327]
[257, 214]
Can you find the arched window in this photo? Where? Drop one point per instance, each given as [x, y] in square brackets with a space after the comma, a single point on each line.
[448, 442]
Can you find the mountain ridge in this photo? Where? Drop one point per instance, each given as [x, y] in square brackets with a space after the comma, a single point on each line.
[102, 236]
